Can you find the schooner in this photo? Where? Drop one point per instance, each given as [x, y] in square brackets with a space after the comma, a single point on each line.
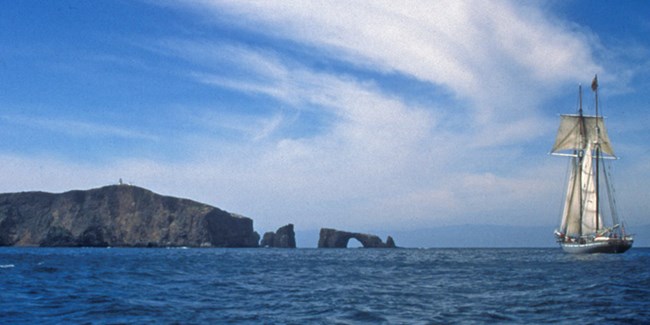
[585, 226]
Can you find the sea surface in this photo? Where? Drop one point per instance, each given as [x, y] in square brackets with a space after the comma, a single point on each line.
[321, 286]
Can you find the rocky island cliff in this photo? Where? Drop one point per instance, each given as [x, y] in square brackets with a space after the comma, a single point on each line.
[118, 215]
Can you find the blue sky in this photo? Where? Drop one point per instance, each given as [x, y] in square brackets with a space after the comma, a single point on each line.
[357, 115]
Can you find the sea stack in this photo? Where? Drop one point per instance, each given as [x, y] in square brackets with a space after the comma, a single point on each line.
[284, 237]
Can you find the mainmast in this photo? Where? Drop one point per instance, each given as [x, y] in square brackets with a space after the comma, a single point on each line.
[594, 87]
[581, 155]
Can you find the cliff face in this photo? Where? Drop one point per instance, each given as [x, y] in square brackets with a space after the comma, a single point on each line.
[118, 215]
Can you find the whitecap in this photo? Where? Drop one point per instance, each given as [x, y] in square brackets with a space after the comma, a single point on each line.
[176, 247]
[6, 266]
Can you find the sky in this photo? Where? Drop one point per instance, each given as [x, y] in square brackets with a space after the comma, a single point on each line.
[356, 115]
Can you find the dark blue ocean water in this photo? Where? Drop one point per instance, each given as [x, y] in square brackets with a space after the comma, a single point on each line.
[328, 286]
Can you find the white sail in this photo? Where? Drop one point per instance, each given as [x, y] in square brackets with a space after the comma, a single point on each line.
[590, 221]
[581, 195]
[571, 214]
[574, 135]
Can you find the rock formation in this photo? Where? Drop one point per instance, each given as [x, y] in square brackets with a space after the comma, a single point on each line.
[118, 215]
[284, 237]
[332, 238]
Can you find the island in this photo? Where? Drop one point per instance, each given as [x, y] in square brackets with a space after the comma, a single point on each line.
[118, 216]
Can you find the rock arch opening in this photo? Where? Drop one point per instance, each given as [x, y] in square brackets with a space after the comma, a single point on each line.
[354, 243]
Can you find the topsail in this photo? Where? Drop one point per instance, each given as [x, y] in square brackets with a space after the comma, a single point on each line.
[576, 132]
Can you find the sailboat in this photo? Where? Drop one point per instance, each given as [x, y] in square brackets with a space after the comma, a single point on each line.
[585, 226]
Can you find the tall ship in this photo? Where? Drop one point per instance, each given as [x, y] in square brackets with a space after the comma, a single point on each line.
[590, 222]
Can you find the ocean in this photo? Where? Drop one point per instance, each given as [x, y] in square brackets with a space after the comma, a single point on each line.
[321, 286]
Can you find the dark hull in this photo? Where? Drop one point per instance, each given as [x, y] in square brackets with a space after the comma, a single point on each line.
[612, 246]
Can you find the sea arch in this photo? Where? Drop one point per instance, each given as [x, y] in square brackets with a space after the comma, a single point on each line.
[332, 238]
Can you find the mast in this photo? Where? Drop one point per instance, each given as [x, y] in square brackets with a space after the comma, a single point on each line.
[594, 87]
[581, 155]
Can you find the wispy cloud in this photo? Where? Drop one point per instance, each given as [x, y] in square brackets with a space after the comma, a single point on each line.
[501, 59]
[77, 128]
[483, 51]
[246, 126]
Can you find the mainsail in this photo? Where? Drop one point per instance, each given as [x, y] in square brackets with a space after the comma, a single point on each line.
[579, 214]
[591, 217]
